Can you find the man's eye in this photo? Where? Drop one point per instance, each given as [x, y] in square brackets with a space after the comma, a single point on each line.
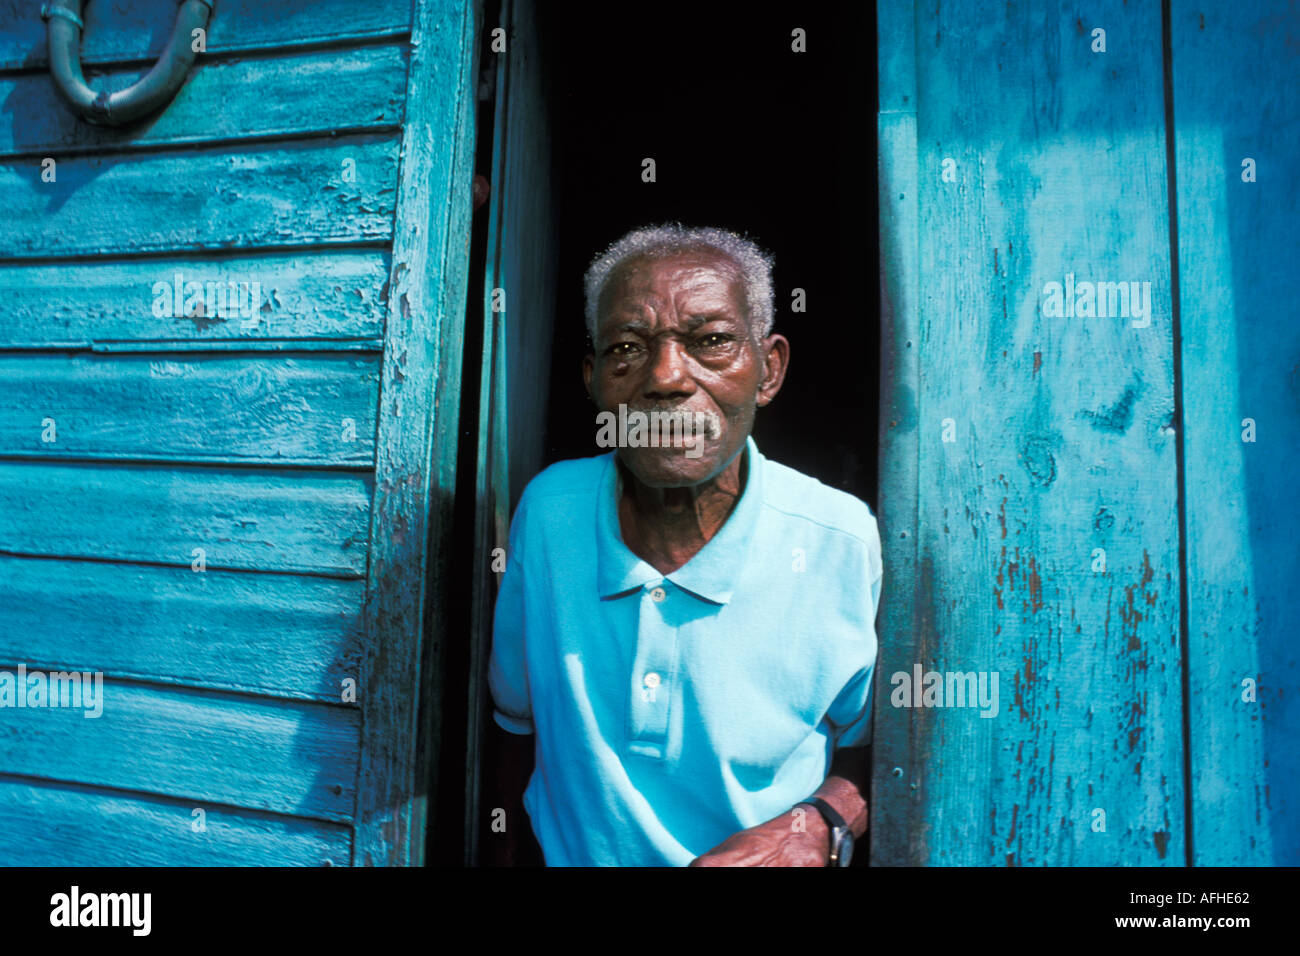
[713, 340]
[621, 349]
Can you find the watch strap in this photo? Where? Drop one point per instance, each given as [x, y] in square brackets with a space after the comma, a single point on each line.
[829, 813]
[838, 825]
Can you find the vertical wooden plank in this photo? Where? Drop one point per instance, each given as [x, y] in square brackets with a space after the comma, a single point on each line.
[491, 486]
[416, 453]
[516, 342]
[1235, 98]
[897, 833]
[528, 255]
[1048, 549]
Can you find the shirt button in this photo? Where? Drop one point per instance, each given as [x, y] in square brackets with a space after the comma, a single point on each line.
[658, 594]
[651, 680]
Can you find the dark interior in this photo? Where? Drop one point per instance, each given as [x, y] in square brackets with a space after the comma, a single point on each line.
[749, 136]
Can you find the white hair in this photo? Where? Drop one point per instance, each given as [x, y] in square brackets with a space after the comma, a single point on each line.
[755, 265]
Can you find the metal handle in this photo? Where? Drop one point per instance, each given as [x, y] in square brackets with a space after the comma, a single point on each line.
[152, 92]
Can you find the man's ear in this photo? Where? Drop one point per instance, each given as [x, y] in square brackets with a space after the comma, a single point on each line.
[776, 359]
[588, 366]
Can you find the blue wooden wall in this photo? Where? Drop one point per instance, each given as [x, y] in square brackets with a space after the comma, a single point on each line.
[1066, 501]
[1236, 97]
[230, 515]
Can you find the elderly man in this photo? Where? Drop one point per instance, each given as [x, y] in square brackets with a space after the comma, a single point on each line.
[684, 634]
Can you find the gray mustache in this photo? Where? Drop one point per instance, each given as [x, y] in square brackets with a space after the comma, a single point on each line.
[686, 421]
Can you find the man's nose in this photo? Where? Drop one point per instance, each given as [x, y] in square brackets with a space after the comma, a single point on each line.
[668, 374]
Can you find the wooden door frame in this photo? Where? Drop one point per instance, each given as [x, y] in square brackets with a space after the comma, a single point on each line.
[415, 467]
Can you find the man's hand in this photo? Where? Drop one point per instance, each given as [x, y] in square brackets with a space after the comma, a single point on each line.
[798, 837]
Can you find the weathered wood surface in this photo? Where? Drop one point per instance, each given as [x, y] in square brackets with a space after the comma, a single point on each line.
[59, 824]
[328, 298]
[287, 520]
[237, 181]
[415, 472]
[349, 89]
[316, 409]
[898, 820]
[118, 30]
[1236, 97]
[492, 448]
[241, 196]
[278, 634]
[285, 757]
[1061, 445]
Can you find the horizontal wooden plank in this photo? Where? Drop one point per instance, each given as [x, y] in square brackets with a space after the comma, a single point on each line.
[118, 30]
[54, 824]
[223, 99]
[314, 409]
[241, 345]
[317, 191]
[330, 294]
[285, 757]
[239, 518]
[275, 634]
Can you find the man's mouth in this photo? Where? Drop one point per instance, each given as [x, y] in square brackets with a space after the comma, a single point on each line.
[678, 427]
[675, 427]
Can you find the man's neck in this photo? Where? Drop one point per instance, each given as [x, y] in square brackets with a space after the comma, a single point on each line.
[666, 527]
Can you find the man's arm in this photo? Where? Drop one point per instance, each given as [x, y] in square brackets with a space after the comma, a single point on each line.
[803, 839]
[508, 762]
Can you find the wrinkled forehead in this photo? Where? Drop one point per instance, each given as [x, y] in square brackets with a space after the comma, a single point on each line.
[698, 278]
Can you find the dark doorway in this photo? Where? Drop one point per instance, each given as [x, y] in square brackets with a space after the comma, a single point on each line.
[747, 135]
[750, 136]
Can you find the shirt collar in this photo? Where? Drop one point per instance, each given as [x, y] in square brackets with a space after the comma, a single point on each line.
[712, 573]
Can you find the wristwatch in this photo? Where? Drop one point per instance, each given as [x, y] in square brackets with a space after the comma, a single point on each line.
[841, 835]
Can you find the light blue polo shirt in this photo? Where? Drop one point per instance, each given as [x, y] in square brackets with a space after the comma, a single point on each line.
[672, 711]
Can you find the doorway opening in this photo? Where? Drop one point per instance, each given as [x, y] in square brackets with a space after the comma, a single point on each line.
[760, 120]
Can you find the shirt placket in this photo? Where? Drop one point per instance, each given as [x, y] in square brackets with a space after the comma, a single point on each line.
[654, 672]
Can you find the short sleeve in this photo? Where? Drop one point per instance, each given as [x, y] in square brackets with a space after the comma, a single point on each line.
[850, 714]
[508, 670]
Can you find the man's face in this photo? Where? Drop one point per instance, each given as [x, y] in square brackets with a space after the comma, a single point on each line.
[673, 335]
